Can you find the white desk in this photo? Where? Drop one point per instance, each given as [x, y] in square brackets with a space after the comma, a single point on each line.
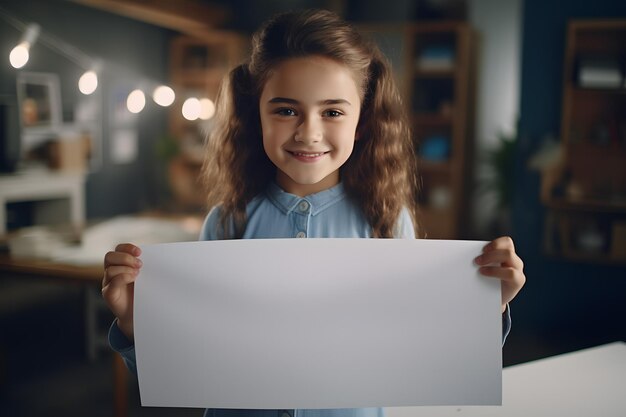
[48, 188]
[590, 382]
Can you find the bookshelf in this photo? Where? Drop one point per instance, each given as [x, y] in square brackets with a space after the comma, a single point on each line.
[585, 199]
[198, 65]
[439, 92]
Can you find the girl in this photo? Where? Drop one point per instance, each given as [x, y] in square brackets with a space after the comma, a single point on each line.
[311, 141]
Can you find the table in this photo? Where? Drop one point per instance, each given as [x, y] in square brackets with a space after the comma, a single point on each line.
[91, 276]
[590, 382]
[143, 229]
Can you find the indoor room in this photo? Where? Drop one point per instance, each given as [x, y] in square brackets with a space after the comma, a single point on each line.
[517, 118]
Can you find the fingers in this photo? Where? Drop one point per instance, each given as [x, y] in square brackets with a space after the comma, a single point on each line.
[121, 258]
[504, 242]
[503, 273]
[121, 266]
[504, 257]
[512, 281]
[500, 251]
[119, 275]
[114, 288]
[499, 260]
[128, 248]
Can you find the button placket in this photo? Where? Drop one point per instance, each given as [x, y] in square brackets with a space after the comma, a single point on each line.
[304, 208]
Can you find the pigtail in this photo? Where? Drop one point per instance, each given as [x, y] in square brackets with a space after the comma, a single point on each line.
[381, 173]
[235, 168]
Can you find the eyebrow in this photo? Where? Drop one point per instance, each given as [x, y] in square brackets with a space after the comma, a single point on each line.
[319, 103]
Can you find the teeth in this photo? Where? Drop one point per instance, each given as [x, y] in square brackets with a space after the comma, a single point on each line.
[308, 155]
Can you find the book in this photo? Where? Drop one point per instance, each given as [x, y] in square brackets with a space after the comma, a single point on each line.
[435, 58]
[600, 73]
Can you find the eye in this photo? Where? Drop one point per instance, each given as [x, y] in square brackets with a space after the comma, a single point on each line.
[333, 113]
[285, 111]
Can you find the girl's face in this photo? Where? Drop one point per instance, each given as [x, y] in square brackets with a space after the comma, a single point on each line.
[309, 109]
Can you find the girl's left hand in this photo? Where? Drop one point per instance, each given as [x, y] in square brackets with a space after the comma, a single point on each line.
[499, 260]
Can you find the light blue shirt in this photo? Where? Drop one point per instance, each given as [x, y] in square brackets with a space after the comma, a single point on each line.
[327, 214]
[278, 214]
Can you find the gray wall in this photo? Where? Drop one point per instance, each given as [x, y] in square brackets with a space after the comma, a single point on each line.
[131, 52]
[498, 24]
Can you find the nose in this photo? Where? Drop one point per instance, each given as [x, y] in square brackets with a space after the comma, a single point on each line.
[309, 131]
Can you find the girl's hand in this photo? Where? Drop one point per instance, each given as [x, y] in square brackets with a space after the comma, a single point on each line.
[499, 260]
[120, 271]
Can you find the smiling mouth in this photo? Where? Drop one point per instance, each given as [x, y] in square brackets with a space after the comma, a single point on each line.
[308, 154]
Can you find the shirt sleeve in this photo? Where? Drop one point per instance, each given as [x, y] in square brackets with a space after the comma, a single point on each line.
[120, 344]
[404, 226]
[506, 323]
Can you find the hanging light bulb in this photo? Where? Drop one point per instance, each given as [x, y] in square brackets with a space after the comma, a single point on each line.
[136, 101]
[207, 109]
[163, 95]
[88, 82]
[191, 109]
[20, 54]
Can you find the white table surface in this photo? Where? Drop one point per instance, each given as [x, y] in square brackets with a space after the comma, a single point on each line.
[590, 382]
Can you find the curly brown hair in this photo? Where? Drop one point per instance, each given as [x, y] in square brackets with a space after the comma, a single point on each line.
[380, 175]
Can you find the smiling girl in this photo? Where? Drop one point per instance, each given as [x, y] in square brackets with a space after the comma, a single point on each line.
[311, 141]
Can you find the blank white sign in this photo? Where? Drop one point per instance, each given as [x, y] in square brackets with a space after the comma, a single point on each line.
[317, 323]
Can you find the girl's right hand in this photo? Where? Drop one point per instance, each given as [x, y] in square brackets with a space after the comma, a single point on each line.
[121, 268]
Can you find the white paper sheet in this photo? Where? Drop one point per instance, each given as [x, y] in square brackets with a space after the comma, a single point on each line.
[317, 323]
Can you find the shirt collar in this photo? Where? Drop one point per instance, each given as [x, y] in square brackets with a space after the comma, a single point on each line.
[287, 202]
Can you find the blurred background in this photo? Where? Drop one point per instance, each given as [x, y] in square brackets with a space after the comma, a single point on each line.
[519, 115]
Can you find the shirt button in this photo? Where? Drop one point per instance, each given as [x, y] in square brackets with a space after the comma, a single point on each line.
[304, 205]
[301, 234]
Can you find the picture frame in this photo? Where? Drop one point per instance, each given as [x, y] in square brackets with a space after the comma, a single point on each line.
[40, 112]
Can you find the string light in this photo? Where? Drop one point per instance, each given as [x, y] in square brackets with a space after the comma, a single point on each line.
[20, 54]
[207, 109]
[163, 95]
[88, 82]
[192, 109]
[136, 101]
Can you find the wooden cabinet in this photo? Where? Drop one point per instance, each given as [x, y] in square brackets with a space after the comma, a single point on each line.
[585, 196]
[197, 67]
[439, 92]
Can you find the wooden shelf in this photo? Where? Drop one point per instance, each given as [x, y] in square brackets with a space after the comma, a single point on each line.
[595, 258]
[596, 90]
[432, 119]
[426, 166]
[437, 224]
[587, 221]
[198, 64]
[198, 76]
[433, 73]
[600, 206]
[441, 103]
